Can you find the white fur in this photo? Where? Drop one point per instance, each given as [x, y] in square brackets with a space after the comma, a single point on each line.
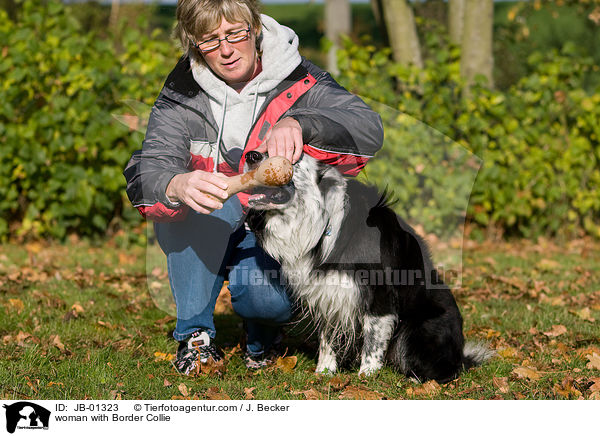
[377, 332]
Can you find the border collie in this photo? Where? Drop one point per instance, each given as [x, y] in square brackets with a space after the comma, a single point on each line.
[364, 275]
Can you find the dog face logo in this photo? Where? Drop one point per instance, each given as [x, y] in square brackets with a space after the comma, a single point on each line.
[26, 415]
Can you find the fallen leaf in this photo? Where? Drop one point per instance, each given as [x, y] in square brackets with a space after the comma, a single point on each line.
[594, 396]
[430, 388]
[210, 367]
[216, 394]
[50, 384]
[184, 390]
[594, 361]
[167, 383]
[508, 352]
[158, 356]
[248, 393]
[556, 330]
[78, 308]
[22, 337]
[566, 389]
[223, 305]
[548, 265]
[527, 372]
[359, 393]
[57, 342]
[585, 314]
[338, 382]
[16, 304]
[501, 383]
[286, 364]
[164, 320]
[310, 394]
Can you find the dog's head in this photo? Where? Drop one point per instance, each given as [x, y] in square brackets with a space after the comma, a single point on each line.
[299, 213]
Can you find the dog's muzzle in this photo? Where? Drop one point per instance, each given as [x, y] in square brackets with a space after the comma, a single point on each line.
[263, 197]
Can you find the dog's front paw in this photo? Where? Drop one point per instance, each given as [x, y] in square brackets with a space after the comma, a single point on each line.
[369, 367]
[368, 371]
[325, 371]
[326, 366]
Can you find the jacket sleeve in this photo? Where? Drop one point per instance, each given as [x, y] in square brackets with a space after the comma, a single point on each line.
[164, 154]
[334, 121]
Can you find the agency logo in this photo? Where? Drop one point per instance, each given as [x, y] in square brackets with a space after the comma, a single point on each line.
[26, 415]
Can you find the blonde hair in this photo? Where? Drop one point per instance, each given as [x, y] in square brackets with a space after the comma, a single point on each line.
[198, 17]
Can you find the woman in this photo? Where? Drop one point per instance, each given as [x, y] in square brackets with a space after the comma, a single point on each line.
[241, 85]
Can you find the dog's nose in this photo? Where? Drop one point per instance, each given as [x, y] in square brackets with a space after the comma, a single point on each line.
[253, 157]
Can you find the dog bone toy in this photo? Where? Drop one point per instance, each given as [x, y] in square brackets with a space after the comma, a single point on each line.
[274, 171]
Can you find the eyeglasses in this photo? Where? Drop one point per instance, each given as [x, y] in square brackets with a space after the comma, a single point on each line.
[215, 43]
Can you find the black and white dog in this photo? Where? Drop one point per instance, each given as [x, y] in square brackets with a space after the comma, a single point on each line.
[363, 274]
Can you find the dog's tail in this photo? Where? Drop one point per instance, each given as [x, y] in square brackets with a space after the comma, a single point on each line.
[476, 353]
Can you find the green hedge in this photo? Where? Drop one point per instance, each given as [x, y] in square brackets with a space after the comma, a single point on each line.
[535, 147]
[539, 141]
[61, 151]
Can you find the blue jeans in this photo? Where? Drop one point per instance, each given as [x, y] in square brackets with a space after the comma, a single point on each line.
[202, 251]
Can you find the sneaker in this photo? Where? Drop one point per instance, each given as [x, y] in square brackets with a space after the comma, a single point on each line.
[257, 361]
[193, 352]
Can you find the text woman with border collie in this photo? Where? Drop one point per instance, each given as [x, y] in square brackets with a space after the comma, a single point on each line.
[241, 85]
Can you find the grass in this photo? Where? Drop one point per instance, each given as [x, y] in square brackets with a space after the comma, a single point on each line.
[78, 321]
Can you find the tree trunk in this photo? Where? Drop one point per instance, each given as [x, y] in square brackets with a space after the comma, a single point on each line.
[338, 21]
[113, 21]
[402, 32]
[476, 54]
[456, 14]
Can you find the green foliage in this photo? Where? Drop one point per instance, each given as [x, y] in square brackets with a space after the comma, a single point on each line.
[61, 151]
[539, 141]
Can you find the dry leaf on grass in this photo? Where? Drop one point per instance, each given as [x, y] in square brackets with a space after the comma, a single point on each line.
[594, 361]
[310, 394]
[567, 389]
[165, 320]
[338, 382]
[158, 356]
[184, 390]
[359, 393]
[22, 337]
[167, 383]
[501, 383]
[429, 388]
[55, 339]
[548, 265]
[595, 387]
[286, 364]
[585, 314]
[248, 393]
[16, 304]
[216, 394]
[213, 368]
[530, 373]
[556, 330]
[508, 352]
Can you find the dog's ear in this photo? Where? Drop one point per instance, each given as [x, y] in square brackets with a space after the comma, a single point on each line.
[330, 181]
[332, 186]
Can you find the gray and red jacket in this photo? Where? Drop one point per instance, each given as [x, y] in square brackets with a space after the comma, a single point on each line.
[338, 128]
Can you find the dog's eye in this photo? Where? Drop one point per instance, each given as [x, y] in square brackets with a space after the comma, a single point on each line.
[253, 157]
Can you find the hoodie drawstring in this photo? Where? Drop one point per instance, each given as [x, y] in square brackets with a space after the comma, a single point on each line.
[220, 134]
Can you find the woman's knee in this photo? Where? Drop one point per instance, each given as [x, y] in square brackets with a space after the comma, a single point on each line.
[261, 303]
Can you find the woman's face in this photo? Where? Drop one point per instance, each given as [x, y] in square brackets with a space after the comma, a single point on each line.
[237, 62]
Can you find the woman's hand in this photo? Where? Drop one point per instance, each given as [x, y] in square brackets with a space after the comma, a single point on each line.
[284, 139]
[200, 190]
